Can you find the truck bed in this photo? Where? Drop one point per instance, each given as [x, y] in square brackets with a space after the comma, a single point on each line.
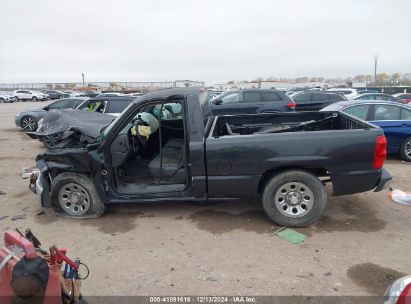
[285, 122]
[242, 148]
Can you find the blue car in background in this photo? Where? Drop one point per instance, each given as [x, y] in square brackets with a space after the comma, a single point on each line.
[393, 118]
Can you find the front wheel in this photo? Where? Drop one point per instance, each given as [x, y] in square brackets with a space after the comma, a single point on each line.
[2, 100]
[405, 150]
[294, 198]
[74, 195]
[29, 123]
[34, 99]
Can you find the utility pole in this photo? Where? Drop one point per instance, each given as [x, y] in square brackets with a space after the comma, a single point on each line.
[375, 69]
[82, 75]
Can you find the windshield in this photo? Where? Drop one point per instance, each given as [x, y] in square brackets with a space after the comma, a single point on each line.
[107, 129]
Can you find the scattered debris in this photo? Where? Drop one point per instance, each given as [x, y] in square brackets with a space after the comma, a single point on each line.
[327, 274]
[211, 279]
[42, 212]
[18, 217]
[2, 193]
[401, 197]
[3, 217]
[27, 172]
[290, 235]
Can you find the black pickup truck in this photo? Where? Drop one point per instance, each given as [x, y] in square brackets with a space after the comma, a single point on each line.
[167, 146]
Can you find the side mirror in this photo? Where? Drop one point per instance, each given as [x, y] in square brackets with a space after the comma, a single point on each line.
[217, 101]
[46, 108]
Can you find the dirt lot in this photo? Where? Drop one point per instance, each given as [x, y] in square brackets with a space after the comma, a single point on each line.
[360, 244]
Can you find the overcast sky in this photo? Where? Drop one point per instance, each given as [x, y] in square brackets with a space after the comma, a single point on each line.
[214, 41]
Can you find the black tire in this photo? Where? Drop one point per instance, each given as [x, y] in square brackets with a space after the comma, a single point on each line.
[96, 206]
[17, 99]
[2, 100]
[306, 182]
[405, 150]
[34, 98]
[29, 123]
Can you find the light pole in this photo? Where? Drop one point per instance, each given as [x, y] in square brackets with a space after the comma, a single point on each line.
[82, 75]
[375, 69]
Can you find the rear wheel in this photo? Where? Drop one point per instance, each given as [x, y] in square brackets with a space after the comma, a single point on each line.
[29, 124]
[74, 195]
[294, 198]
[405, 150]
[34, 98]
[2, 100]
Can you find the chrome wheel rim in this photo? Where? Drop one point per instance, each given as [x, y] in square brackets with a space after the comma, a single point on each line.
[294, 199]
[408, 149]
[29, 124]
[74, 199]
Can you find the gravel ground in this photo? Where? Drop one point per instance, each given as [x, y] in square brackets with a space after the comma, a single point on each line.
[361, 243]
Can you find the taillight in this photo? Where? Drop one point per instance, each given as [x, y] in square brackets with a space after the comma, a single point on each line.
[380, 152]
[291, 104]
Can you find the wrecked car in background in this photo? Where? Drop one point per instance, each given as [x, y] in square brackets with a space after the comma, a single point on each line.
[51, 131]
[166, 146]
[29, 119]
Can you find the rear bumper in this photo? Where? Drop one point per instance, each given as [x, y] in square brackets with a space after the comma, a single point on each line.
[360, 181]
[384, 181]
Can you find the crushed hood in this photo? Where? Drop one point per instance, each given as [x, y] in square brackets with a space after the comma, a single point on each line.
[87, 123]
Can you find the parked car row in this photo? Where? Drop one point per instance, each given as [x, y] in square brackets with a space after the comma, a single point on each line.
[33, 95]
[263, 101]
[391, 113]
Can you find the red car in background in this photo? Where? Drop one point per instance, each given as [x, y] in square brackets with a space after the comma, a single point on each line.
[405, 97]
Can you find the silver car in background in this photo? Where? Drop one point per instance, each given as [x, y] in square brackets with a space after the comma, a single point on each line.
[29, 119]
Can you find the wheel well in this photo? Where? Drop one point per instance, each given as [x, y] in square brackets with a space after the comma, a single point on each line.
[319, 172]
[405, 140]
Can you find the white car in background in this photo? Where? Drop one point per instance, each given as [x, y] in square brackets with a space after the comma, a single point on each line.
[74, 93]
[347, 92]
[7, 97]
[30, 95]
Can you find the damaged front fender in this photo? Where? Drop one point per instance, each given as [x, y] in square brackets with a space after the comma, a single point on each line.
[56, 161]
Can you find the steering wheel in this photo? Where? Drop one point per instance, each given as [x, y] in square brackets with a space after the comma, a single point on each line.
[140, 138]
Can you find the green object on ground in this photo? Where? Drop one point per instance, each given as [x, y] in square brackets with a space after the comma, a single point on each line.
[290, 235]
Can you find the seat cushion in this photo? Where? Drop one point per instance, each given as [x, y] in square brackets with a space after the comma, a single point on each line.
[172, 159]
